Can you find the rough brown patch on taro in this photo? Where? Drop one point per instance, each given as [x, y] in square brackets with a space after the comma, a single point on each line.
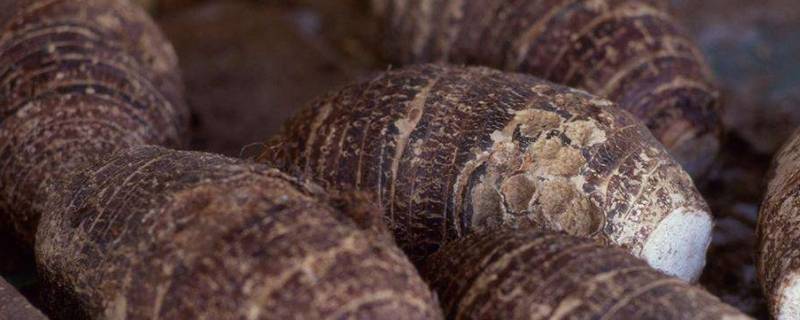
[585, 133]
[548, 196]
[450, 150]
[531, 274]
[517, 191]
[487, 207]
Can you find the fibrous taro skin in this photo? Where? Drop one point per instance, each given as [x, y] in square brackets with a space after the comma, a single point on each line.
[631, 51]
[508, 274]
[14, 306]
[450, 150]
[154, 233]
[79, 79]
[778, 230]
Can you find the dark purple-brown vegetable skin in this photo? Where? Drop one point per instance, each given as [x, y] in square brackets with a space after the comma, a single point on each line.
[154, 233]
[13, 306]
[631, 51]
[450, 150]
[78, 80]
[778, 230]
[527, 274]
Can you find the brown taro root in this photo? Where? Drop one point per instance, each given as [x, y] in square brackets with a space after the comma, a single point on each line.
[508, 274]
[14, 306]
[630, 51]
[451, 150]
[778, 231]
[79, 79]
[154, 233]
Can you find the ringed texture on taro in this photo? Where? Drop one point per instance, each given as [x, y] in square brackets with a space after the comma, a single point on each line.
[451, 150]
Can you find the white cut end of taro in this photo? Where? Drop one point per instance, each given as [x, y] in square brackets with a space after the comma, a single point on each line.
[789, 300]
[678, 245]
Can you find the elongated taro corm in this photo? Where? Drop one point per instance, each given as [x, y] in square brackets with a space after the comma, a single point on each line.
[451, 150]
[630, 51]
[78, 80]
[14, 306]
[155, 233]
[778, 229]
[510, 274]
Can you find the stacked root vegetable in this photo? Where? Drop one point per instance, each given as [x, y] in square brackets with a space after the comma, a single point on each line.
[460, 184]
